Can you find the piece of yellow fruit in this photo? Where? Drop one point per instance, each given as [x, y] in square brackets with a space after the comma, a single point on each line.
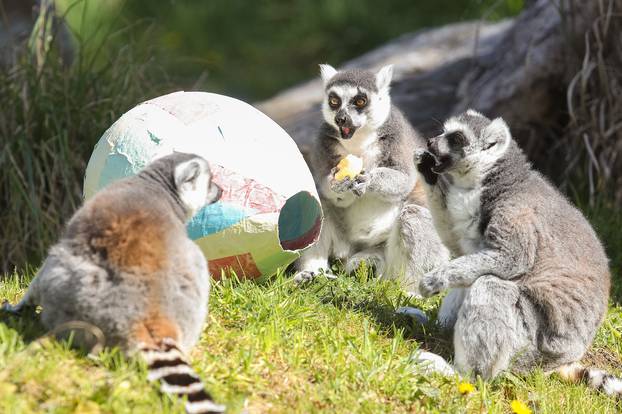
[350, 167]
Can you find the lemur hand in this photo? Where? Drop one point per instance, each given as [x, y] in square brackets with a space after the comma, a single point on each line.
[433, 282]
[358, 185]
[425, 162]
[419, 154]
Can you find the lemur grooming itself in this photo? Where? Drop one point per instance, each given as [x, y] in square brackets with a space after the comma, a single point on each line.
[126, 266]
[372, 216]
[530, 281]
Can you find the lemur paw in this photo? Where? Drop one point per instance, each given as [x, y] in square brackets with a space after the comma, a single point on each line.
[303, 277]
[306, 276]
[419, 153]
[425, 162]
[433, 283]
[358, 185]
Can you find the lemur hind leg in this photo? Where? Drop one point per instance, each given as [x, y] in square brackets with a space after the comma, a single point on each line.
[315, 259]
[413, 248]
[495, 329]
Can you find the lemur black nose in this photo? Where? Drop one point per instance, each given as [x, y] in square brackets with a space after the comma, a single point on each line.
[340, 120]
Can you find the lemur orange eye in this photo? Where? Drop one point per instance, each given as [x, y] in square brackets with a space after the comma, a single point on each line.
[360, 102]
[334, 102]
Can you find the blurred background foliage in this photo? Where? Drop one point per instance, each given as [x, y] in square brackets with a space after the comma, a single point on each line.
[252, 49]
[117, 53]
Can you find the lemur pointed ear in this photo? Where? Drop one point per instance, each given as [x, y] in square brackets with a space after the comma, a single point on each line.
[186, 172]
[327, 72]
[473, 112]
[383, 77]
[497, 132]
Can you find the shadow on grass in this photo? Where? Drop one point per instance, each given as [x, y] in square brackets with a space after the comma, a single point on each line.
[74, 335]
[380, 302]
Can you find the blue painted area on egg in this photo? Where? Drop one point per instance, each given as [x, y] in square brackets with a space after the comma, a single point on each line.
[215, 218]
[131, 152]
[117, 166]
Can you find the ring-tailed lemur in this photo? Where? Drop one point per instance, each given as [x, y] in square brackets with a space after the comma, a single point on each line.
[374, 216]
[530, 281]
[126, 266]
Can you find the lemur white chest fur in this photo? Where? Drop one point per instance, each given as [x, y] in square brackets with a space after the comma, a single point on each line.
[463, 208]
[363, 144]
[370, 218]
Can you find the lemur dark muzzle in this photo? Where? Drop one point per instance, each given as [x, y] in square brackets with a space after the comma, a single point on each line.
[344, 122]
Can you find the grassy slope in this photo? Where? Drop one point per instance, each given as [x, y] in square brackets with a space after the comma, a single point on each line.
[334, 346]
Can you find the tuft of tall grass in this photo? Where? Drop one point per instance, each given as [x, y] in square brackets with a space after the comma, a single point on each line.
[52, 114]
[593, 137]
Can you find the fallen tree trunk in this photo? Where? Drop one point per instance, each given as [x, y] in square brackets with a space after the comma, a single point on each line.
[520, 69]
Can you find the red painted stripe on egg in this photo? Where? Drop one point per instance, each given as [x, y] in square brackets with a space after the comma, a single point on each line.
[246, 192]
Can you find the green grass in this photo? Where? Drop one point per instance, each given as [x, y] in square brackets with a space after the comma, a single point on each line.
[334, 346]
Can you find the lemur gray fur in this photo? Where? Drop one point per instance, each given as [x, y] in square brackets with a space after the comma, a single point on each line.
[530, 281]
[126, 266]
[379, 216]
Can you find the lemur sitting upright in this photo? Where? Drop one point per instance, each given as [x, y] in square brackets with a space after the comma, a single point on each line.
[126, 266]
[530, 281]
[379, 215]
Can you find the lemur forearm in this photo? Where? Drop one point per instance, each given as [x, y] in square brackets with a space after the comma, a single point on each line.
[390, 183]
[464, 270]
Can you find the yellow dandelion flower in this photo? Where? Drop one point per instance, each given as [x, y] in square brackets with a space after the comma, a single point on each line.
[466, 387]
[519, 407]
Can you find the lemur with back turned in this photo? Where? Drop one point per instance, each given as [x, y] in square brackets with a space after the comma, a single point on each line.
[126, 266]
[530, 279]
[378, 215]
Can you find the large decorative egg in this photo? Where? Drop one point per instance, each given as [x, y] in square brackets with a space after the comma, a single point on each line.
[269, 209]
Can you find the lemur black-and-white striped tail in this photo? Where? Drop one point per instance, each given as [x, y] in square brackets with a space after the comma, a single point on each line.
[592, 377]
[167, 364]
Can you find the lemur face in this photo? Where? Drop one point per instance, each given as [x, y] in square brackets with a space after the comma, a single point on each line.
[468, 139]
[193, 180]
[355, 99]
